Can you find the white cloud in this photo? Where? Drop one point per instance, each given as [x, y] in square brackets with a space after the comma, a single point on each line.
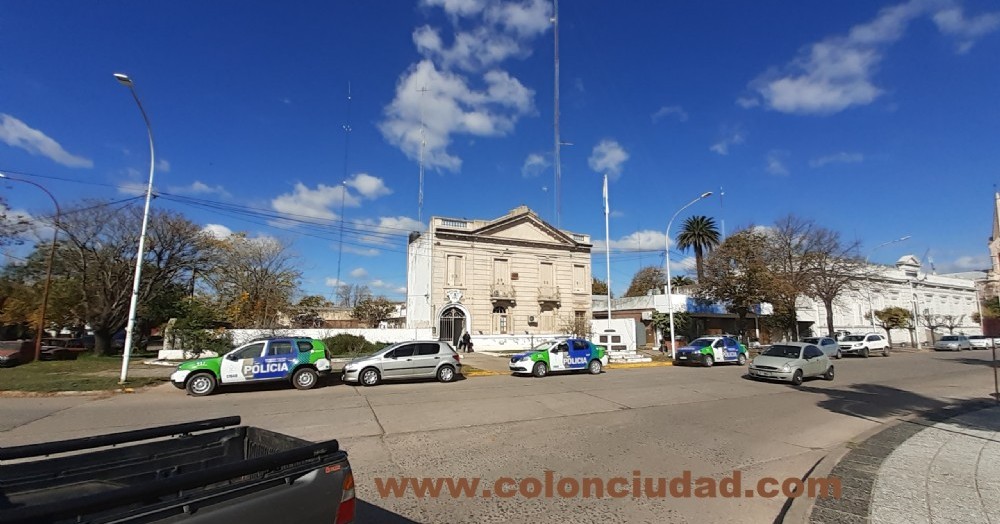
[359, 272]
[838, 158]
[677, 111]
[388, 229]
[333, 282]
[16, 133]
[836, 73]
[534, 165]
[401, 290]
[747, 102]
[378, 284]
[199, 188]
[217, 231]
[162, 165]
[132, 188]
[685, 264]
[608, 157]
[316, 203]
[645, 240]
[964, 263]
[617, 214]
[370, 187]
[775, 163]
[953, 22]
[445, 94]
[365, 252]
[732, 137]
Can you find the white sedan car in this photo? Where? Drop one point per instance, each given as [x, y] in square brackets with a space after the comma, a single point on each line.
[981, 342]
[792, 362]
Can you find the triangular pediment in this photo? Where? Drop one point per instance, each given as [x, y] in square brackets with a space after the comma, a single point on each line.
[909, 261]
[524, 228]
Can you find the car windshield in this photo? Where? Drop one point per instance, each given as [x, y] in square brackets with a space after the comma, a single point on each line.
[702, 342]
[783, 351]
[854, 338]
[977, 337]
[949, 338]
[811, 340]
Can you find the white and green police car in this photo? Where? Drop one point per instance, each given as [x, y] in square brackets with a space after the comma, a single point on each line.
[573, 354]
[299, 360]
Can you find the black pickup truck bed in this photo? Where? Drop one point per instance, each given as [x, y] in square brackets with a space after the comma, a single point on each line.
[196, 472]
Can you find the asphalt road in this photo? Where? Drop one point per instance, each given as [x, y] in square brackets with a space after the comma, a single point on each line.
[658, 421]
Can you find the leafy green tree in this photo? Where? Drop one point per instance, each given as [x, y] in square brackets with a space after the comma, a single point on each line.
[700, 234]
[737, 274]
[646, 279]
[198, 327]
[890, 318]
[305, 314]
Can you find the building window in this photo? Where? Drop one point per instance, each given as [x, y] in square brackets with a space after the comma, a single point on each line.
[545, 274]
[500, 320]
[456, 271]
[501, 271]
[579, 278]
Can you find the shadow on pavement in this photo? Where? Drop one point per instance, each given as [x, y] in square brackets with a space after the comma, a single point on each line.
[368, 512]
[971, 361]
[873, 402]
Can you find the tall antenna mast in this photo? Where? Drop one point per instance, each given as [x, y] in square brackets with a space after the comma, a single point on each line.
[343, 184]
[423, 143]
[722, 210]
[558, 166]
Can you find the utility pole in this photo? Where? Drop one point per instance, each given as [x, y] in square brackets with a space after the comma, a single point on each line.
[558, 144]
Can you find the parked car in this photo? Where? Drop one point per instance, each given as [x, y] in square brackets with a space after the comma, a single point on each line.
[981, 342]
[792, 362]
[952, 343]
[16, 352]
[710, 350]
[59, 349]
[406, 360]
[864, 345]
[827, 345]
[298, 360]
[574, 354]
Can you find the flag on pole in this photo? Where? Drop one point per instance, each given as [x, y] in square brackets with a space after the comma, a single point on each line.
[607, 210]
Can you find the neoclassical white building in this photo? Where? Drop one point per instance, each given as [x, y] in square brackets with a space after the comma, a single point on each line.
[904, 285]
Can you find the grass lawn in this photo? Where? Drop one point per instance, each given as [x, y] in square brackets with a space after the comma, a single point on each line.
[87, 373]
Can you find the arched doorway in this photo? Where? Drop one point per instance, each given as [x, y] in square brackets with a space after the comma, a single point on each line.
[451, 324]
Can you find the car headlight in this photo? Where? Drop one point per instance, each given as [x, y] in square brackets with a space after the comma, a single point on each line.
[786, 368]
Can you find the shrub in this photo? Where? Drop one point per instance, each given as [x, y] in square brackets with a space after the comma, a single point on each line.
[347, 344]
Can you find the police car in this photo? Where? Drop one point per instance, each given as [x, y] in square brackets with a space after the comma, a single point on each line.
[299, 360]
[572, 354]
[708, 351]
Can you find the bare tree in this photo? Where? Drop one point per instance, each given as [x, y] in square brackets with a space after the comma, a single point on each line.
[350, 295]
[951, 322]
[931, 322]
[647, 278]
[794, 248]
[836, 270]
[97, 253]
[256, 280]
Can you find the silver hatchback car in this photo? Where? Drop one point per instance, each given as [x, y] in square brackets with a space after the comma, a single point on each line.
[406, 360]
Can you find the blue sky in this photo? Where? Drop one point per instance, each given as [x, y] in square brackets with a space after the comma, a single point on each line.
[876, 119]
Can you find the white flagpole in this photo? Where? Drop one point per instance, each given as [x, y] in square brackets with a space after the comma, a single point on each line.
[607, 244]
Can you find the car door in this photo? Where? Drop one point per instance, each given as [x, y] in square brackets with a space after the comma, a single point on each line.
[579, 354]
[426, 359]
[237, 365]
[731, 349]
[558, 355]
[814, 361]
[828, 347]
[399, 362]
[279, 360]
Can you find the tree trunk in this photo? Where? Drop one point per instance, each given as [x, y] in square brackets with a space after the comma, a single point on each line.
[699, 262]
[102, 343]
[828, 304]
[888, 335]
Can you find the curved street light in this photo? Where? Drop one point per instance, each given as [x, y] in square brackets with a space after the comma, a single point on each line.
[666, 255]
[871, 308]
[48, 265]
[130, 328]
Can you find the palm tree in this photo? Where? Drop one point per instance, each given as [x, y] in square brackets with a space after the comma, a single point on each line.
[700, 233]
[681, 281]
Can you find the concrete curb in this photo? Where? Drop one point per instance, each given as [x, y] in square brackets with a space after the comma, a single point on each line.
[640, 365]
[93, 393]
[874, 445]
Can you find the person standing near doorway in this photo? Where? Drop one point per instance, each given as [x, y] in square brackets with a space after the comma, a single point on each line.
[466, 343]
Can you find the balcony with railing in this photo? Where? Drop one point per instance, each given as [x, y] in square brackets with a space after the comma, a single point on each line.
[500, 291]
[548, 294]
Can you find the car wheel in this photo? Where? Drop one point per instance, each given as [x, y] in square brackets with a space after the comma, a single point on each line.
[540, 369]
[864, 352]
[797, 377]
[829, 373]
[201, 384]
[594, 367]
[741, 360]
[839, 355]
[885, 351]
[304, 378]
[446, 374]
[370, 377]
[708, 361]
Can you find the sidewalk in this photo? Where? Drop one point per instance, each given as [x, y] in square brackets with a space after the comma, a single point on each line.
[940, 468]
[486, 361]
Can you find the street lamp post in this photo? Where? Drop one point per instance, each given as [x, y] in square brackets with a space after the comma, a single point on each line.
[871, 308]
[48, 265]
[130, 328]
[666, 255]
